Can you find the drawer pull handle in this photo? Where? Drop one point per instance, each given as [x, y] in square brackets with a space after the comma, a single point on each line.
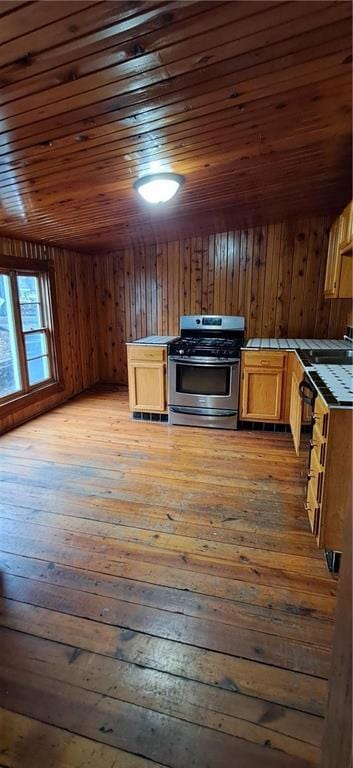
[313, 444]
[307, 507]
[263, 362]
[311, 474]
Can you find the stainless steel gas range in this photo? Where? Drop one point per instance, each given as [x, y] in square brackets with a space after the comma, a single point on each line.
[204, 366]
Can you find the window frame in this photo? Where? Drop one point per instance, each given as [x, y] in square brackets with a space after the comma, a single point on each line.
[43, 270]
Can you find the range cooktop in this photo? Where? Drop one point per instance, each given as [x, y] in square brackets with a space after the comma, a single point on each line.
[203, 346]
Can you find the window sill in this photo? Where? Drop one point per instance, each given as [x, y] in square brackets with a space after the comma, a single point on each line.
[30, 398]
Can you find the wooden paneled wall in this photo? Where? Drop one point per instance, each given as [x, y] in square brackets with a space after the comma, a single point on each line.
[77, 321]
[274, 275]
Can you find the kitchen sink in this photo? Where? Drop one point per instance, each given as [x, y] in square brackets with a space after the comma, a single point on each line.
[327, 357]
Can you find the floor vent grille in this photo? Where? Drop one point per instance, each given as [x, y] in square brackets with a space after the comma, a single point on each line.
[142, 416]
[264, 427]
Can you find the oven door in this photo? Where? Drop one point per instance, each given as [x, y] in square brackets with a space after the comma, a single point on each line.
[204, 383]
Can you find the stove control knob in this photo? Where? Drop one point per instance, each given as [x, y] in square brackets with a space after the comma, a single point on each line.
[198, 321]
[181, 351]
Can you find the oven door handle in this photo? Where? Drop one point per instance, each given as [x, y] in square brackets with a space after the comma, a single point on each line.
[305, 384]
[206, 363]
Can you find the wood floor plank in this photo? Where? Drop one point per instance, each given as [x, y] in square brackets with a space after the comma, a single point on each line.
[147, 561]
[203, 526]
[226, 611]
[94, 530]
[295, 601]
[154, 616]
[205, 705]
[274, 684]
[237, 641]
[132, 728]
[199, 556]
[28, 742]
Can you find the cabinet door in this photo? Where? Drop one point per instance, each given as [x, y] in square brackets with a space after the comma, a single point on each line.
[262, 394]
[295, 413]
[313, 510]
[345, 284]
[147, 386]
[333, 259]
[346, 234]
[316, 476]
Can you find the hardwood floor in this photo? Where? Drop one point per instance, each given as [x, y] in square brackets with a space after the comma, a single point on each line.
[163, 601]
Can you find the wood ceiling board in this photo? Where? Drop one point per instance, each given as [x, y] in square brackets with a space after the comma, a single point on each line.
[118, 172]
[248, 141]
[9, 7]
[253, 97]
[298, 57]
[129, 117]
[102, 103]
[97, 17]
[82, 91]
[319, 105]
[146, 32]
[36, 16]
[237, 96]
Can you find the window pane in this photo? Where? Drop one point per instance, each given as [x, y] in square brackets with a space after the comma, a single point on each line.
[28, 289]
[31, 317]
[36, 345]
[10, 380]
[29, 296]
[38, 370]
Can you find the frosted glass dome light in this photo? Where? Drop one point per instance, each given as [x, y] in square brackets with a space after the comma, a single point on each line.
[158, 187]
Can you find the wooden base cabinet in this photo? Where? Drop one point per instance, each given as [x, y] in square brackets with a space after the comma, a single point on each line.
[262, 394]
[147, 374]
[299, 412]
[270, 389]
[270, 393]
[295, 411]
[262, 387]
[329, 489]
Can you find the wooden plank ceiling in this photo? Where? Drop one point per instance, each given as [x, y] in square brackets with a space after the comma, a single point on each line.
[250, 100]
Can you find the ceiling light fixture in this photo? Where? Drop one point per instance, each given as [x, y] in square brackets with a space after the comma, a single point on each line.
[158, 187]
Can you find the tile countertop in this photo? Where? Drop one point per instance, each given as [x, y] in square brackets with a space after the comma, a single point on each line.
[298, 344]
[158, 340]
[333, 382]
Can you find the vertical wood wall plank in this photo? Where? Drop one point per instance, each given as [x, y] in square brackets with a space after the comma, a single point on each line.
[75, 283]
[211, 257]
[274, 275]
[165, 289]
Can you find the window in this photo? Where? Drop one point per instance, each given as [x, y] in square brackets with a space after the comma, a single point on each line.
[27, 350]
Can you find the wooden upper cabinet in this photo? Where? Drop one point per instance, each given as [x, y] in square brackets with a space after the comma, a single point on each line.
[339, 272]
[147, 366]
[346, 233]
[332, 260]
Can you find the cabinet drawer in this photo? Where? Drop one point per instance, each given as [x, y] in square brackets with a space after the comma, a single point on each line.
[264, 359]
[320, 417]
[313, 509]
[319, 446]
[315, 477]
[143, 352]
